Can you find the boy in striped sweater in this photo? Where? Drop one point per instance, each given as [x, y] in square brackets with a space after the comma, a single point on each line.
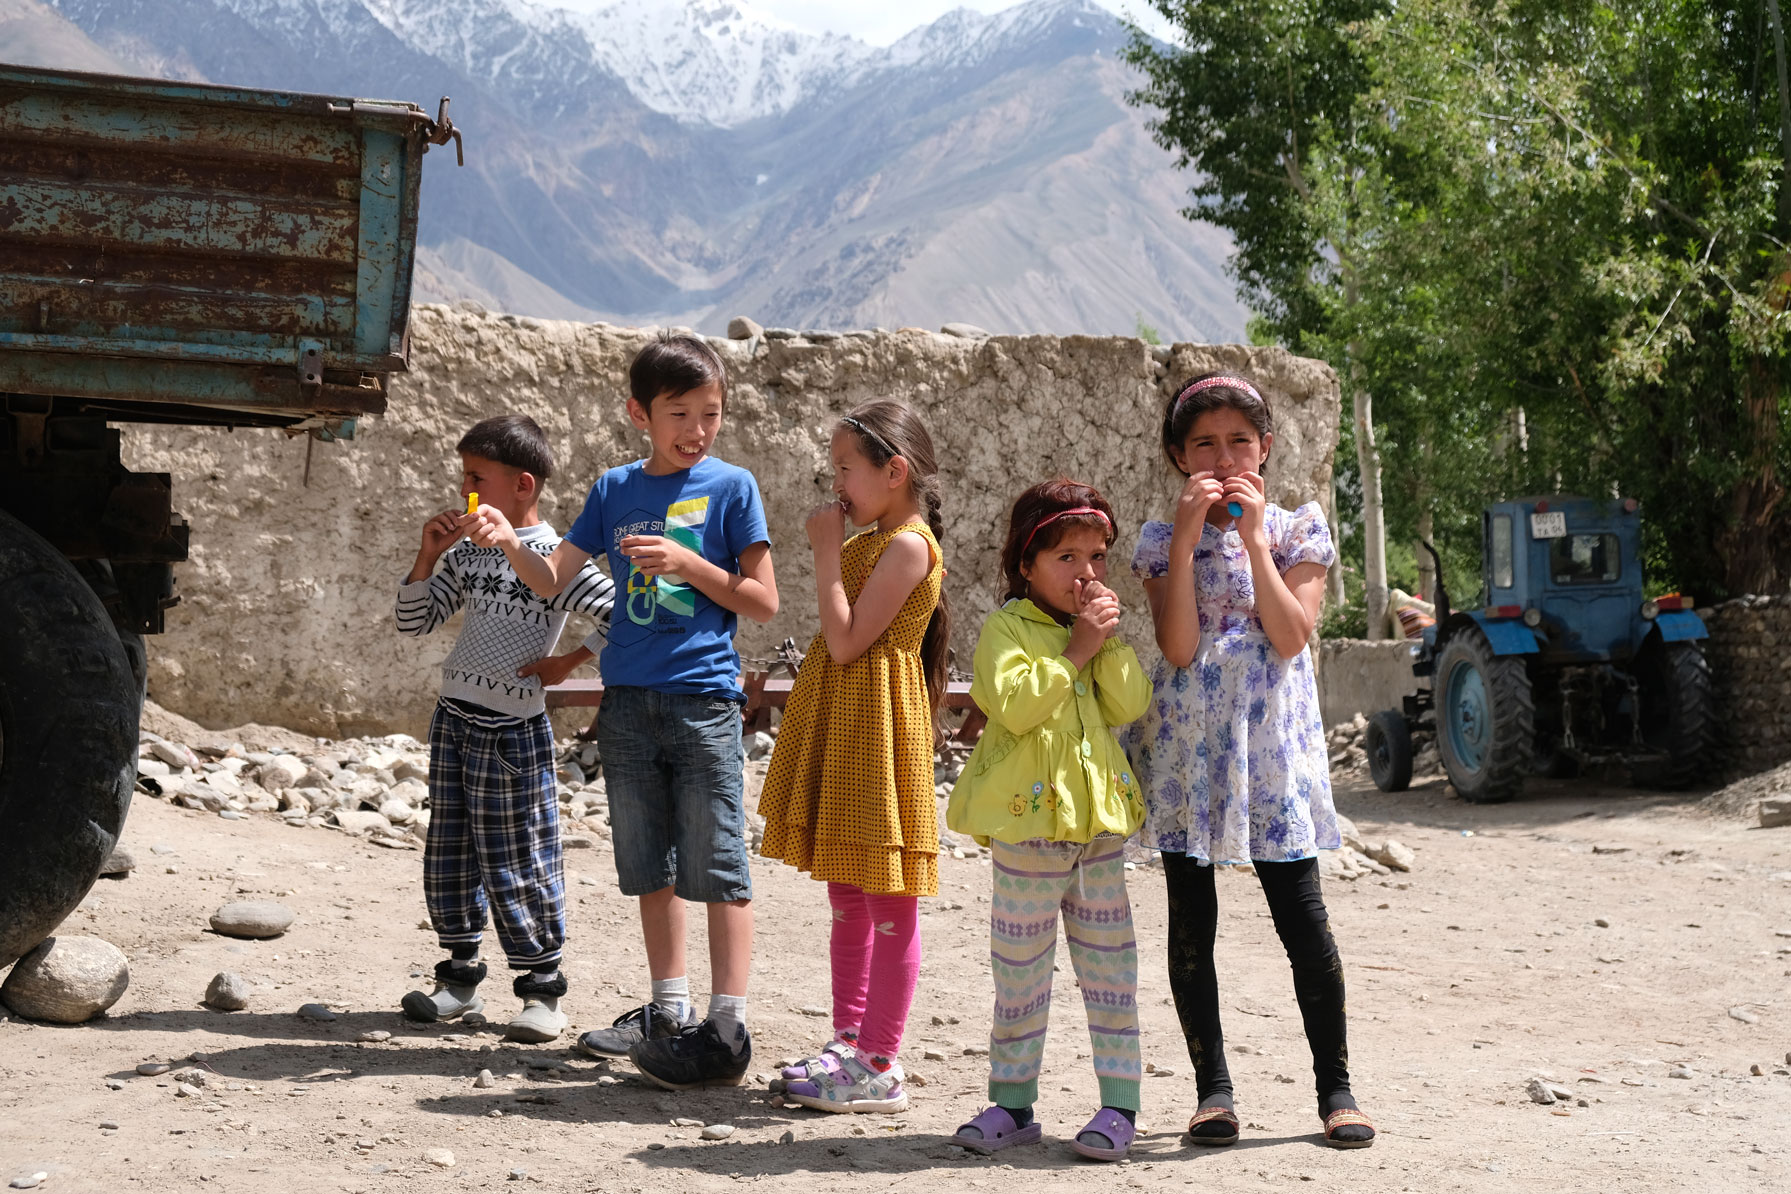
[494, 832]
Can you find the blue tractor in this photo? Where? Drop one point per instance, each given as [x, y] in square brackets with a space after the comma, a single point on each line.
[1564, 665]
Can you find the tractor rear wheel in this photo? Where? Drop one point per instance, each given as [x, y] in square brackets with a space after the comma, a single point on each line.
[69, 710]
[1388, 742]
[1486, 723]
[1678, 714]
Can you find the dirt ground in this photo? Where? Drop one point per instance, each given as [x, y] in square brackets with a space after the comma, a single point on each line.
[1483, 968]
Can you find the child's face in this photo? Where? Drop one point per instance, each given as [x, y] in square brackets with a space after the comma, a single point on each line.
[866, 491]
[1224, 443]
[508, 489]
[1054, 575]
[682, 427]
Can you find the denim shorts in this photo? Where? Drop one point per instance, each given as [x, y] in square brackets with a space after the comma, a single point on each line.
[674, 767]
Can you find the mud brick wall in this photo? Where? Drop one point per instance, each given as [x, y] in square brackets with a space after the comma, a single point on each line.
[286, 602]
[1750, 662]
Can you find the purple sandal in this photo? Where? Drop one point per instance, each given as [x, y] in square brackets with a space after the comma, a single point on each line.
[1111, 1124]
[998, 1132]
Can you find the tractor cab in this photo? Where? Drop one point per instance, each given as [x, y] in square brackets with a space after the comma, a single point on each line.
[1576, 563]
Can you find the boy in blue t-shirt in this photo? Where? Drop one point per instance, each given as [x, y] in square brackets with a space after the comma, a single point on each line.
[686, 542]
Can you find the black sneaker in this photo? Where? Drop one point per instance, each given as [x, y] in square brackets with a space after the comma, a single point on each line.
[649, 1022]
[696, 1057]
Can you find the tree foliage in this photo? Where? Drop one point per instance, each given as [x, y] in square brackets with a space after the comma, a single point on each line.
[1564, 229]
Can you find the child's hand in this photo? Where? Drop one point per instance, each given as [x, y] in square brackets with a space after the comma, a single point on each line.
[1096, 620]
[1102, 604]
[656, 555]
[1246, 489]
[827, 527]
[1197, 497]
[555, 668]
[441, 532]
[489, 528]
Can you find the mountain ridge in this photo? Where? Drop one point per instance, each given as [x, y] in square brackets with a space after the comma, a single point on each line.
[984, 168]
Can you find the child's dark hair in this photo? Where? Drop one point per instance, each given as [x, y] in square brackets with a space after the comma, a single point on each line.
[675, 363]
[1208, 392]
[1038, 523]
[886, 429]
[513, 440]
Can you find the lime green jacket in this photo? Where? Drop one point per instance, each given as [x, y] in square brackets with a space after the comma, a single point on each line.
[1048, 765]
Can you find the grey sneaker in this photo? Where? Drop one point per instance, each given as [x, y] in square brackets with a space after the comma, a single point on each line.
[540, 1021]
[648, 1022]
[456, 993]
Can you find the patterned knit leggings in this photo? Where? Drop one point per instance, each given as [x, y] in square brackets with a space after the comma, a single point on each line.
[1034, 881]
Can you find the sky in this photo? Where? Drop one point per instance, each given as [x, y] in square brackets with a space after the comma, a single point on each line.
[879, 21]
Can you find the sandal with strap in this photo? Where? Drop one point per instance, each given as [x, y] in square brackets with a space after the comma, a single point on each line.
[1208, 1115]
[1115, 1127]
[998, 1132]
[1345, 1117]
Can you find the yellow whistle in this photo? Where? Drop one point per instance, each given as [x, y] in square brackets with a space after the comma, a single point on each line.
[472, 503]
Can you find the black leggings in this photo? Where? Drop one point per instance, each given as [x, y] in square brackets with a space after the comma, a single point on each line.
[1299, 911]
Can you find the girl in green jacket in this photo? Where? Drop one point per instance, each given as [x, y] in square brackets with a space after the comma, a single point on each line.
[1050, 789]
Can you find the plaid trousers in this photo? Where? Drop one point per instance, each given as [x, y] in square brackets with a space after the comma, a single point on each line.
[494, 835]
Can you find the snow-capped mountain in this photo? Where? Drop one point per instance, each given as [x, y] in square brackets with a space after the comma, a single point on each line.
[684, 161]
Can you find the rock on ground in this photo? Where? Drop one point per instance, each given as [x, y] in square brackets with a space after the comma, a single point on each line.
[228, 992]
[355, 821]
[67, 980]
[253, 919]
[119, 862]
[1396, 855]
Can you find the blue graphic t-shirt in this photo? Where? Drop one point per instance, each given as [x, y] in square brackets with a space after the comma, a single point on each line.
[664, 634]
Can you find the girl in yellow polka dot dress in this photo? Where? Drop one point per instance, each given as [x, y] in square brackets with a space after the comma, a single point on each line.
[849, 796]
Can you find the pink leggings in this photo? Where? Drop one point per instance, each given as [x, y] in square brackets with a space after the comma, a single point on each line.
[876, 965]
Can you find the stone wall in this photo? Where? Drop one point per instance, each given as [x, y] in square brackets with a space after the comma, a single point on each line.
[286, 602]
[1750, 662]
[1357, 676]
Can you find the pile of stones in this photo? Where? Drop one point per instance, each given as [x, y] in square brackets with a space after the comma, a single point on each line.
[373, 787]
[1347, 744]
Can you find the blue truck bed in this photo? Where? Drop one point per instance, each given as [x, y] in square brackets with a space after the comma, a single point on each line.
[176, 252]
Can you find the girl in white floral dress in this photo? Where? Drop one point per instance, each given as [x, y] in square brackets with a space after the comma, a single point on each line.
[1231, 752]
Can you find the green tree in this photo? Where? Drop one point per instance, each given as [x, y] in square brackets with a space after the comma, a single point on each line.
[1601, 225]
[1548, 237]
[1246, 98]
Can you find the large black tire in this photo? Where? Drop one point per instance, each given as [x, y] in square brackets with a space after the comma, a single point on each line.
[1388, 742]
[1486, 721]
[1678, 715]
[69, 710]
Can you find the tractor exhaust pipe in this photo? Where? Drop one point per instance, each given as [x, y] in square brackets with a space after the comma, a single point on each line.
[1442, 601]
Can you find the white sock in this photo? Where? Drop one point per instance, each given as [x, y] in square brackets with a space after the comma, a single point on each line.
[729, 1014]
[673, 994]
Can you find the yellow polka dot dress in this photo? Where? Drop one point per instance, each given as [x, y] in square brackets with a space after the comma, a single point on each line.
[849, 797]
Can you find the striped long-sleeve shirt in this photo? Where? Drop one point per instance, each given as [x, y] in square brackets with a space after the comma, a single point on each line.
[507, 623]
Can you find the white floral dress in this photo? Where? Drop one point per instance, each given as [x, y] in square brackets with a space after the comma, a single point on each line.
[1231, 751]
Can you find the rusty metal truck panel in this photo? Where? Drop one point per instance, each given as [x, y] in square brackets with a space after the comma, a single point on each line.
[178, 252]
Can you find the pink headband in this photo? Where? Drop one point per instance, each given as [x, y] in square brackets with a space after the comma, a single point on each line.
[1043, 523]
[1236, 383]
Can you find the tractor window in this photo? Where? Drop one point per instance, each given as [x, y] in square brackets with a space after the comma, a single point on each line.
[1501, 551]
[1584, 559]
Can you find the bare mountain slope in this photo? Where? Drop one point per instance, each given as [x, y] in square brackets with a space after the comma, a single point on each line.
[667, 161]
[34, 34]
